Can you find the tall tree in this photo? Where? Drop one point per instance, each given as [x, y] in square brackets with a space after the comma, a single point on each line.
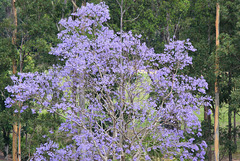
[216, 117]
[14, 67]
[97, 52]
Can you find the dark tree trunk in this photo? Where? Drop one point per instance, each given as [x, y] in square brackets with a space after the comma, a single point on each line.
[230, 133]
[234, 127]
[205, 113]
[230, 117]
[6, 137]
[209, 136]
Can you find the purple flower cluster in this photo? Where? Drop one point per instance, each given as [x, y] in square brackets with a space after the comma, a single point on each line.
[115, 93]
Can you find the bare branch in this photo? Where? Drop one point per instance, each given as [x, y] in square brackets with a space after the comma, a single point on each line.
[132, 19]
[74, 4]
[125, 10]
[3, 94]
[119, 4]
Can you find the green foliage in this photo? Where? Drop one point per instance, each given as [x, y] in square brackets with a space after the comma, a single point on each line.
[35, 131]
[235, 94]
[5, 7]
[36, 34]
[225, 144]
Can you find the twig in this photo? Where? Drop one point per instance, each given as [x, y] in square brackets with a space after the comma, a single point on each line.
[132, 19]
[2, 94]
[74, 4]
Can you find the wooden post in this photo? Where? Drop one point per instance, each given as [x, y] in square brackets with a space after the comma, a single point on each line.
[216, 118]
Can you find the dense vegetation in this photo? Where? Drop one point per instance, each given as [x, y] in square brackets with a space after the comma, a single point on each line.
[157, 22]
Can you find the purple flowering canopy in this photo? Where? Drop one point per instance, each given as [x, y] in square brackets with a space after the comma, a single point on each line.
[120, 100]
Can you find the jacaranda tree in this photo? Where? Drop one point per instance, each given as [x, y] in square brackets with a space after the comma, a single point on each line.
[119, 99]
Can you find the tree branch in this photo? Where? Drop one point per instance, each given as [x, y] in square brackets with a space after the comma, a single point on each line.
[74, 4]
[132, 19]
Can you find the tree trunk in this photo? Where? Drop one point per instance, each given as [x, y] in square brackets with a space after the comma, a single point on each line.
[230, 134]
[234, 127]
[209, 149]
[6, 148]
[19, 140]
[207, 132]
[216, 119]
[14, 37]
[209, 136]
[6, 137]
[205, 113]
[78, 91]
[229, 119]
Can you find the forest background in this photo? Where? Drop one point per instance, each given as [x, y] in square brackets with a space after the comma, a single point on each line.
[157, 21]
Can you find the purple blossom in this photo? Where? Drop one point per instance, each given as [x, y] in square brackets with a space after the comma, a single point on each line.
[209, 112]
[33, 111]
[110, 95]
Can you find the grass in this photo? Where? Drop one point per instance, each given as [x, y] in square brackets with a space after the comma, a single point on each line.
[223, 116]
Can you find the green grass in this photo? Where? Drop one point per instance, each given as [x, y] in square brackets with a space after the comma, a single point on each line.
[223, 116]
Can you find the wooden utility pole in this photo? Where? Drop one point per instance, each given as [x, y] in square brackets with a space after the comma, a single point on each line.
[216, 119]
[14, 66]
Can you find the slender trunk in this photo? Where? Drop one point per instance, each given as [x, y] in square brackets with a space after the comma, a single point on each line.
[209, 149]
[206, 125]
[209, 28]
[216, 119]
[229, 119]
[81, 91]
[234, 127]
[209, 136]
[207, 121]
[6, 148]
[20, 106]
[19, 140]
[78, 91]
[14, 63]
[205, 113]
[230, 133]
[14, 139]
[26, 136]
[6, 138]
[121, 85]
